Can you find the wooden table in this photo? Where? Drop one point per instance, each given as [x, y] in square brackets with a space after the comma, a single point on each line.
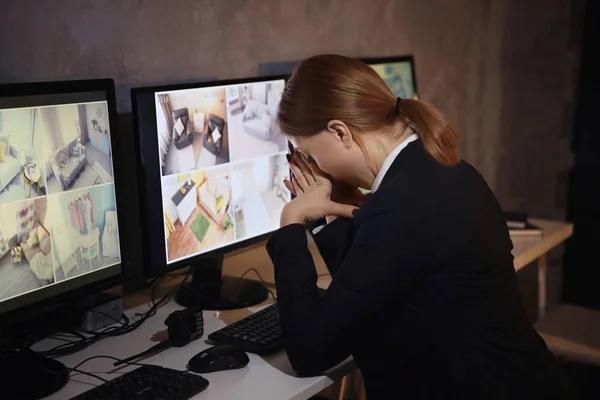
[529, 249]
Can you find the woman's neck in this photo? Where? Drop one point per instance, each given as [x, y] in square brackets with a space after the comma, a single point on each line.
[377, 150]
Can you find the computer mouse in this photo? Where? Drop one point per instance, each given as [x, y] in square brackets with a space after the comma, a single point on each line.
[218, 358]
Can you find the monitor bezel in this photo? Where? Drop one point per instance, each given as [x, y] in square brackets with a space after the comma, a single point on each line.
[50, 302]
[395, 59]
[149, 270]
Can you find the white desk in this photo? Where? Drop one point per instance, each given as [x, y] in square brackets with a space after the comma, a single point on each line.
[263, 379]
[258, 381]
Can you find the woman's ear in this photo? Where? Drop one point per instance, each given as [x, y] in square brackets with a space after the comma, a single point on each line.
[341, 132]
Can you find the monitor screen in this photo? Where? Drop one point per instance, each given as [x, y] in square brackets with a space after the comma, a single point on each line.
[398, 74]
[58, 216]
[222, 164]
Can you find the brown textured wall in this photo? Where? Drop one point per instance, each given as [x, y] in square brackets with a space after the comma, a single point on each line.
[502, 70]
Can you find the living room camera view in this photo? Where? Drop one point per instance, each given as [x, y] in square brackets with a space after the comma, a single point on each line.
[52, 149]
[21, 168]
[197, 211]
[76, 150]
[192, 129]
[252, 118]
[259, 194]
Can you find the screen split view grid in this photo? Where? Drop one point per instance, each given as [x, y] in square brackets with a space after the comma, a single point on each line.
[58, 217]
[223, 164]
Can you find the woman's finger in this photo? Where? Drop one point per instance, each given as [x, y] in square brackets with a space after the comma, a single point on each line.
[299, 175]
[290, 187]
[340, 210]
[305, 167]
[316, 172]
[314, 168]
[297, 188]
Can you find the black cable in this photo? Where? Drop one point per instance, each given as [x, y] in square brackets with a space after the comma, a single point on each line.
[88, 374]
[110, 358]
[76, 368]
[126, 326]
[118, 321]
[124, 322]
[70, 348]
[62, 339]
[152, 351]
[80, 371]
[265, 284]
[73, 335]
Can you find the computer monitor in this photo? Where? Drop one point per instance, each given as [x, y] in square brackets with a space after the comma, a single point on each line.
[59, 231]
[398, 73]
[212, 166]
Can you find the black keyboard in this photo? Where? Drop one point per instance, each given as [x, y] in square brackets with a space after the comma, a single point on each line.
[148, 382]
[258, 333]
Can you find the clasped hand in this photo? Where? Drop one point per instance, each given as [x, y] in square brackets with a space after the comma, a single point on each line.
[313, 190]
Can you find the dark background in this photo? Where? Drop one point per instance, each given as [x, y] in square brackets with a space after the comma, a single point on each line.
[582, 267]
[504, 71]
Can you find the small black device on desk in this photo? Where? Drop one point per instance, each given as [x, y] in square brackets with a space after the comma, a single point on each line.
[147, 383]
[218, 358]
[183, 326]
[258, 333]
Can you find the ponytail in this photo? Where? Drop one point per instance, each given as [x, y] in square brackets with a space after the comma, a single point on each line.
[439, 138]
[333, 87]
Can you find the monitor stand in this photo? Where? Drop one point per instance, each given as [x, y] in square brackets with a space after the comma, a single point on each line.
[26, 375]
[212, 291]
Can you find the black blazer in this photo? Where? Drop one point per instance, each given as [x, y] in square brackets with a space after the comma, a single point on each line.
[424, 293]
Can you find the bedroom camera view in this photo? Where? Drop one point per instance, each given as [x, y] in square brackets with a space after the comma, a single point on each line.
[213, 200]
[57, 200]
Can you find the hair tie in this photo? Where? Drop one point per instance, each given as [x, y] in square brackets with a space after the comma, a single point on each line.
[398, 105]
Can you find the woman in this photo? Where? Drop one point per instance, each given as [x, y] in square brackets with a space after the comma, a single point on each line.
[424, 293]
